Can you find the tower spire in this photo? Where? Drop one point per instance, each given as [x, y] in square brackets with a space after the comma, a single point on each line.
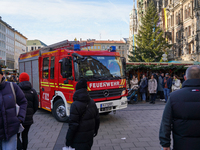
[133, 4]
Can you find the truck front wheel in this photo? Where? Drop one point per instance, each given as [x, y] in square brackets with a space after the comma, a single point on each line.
[59, 111]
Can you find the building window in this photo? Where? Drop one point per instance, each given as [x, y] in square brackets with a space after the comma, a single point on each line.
[177, 18]
[45, 70]
[32, 48]
[95, 47]
[98, 47]
[119, 47]
[186, 32]
[103, 47]
[189, 48]
[185, 12]
[189, 30]
[189, 10]
[91, 47]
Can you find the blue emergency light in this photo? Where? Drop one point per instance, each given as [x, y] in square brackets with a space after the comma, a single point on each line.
[77, 47]
[113, 49]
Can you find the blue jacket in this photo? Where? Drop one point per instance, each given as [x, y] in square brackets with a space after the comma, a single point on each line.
[9, 122]
[169, 83]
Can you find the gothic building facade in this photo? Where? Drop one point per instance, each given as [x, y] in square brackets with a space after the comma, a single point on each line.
[183, 29]
[180, 20]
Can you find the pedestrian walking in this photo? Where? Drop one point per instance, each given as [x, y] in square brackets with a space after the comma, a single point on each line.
[134, 82]
[10, 119]
[166, 84]
[160, 87]
[143, 88]
[181, 115]
[176, 83]
[32, 99]
[83, 120]
[152, 88]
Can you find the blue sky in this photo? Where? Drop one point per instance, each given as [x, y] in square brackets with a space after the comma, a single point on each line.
[52, 21]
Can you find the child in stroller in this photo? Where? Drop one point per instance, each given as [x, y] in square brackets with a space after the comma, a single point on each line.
[132, 95]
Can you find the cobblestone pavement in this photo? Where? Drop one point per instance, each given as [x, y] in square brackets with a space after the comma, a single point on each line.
[134, 128]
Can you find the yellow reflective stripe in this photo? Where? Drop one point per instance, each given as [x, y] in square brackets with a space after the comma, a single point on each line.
[52, 86]
[45, 82]
[88, 89]
[67, 88]
[56, 86]
[46, 109]
[44, 85]
[50, 52]
[121, 82]
[67, 84]
[124, 81]
[51, 83]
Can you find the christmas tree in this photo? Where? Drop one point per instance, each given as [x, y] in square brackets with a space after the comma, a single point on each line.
[150, 43]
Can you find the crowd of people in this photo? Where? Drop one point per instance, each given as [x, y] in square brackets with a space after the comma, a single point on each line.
[156, 85]
[18, 103]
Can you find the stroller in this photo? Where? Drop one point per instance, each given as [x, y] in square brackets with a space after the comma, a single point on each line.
[132, 95]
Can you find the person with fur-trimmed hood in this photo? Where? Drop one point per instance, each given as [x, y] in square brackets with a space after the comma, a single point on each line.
[83, 120]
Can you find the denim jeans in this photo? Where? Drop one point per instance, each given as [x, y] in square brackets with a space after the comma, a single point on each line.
[166, 93]
[11, 144]
[153, 97]
[143, 96]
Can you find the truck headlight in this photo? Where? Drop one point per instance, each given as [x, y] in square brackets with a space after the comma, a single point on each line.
[123, 92]
[124, 103]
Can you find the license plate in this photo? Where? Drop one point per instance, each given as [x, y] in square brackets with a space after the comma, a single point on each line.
[106, 105]
[108, 108]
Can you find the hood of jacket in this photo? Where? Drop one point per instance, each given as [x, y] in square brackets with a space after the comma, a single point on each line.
[191, 83]
[81, 95]
[25, 85]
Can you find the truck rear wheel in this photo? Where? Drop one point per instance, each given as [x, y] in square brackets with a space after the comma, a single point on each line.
[59, 111]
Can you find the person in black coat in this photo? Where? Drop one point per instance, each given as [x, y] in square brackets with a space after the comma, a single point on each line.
[143, 87]
[32, 107]
[83, 120]
[181, 115]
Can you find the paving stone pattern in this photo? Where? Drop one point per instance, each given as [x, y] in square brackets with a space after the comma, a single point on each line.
[133, 128]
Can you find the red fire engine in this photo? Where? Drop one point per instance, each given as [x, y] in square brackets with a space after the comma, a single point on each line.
[54, 71]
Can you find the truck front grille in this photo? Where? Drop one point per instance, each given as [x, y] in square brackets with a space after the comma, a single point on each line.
[100, 94]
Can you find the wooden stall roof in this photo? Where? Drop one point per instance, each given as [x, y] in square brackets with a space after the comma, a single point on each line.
[160, 63]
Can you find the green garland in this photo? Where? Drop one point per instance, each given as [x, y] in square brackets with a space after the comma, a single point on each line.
[155, 67]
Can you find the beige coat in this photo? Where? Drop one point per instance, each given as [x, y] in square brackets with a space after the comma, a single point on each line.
[134, 82]
[152, 86]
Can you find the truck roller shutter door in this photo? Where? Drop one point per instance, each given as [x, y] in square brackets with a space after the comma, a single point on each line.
[35, 73]
[21, 67]
[28, 69]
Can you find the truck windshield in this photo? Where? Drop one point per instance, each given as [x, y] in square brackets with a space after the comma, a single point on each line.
[99, 68]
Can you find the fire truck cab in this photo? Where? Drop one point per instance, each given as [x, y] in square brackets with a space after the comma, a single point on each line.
[55, 70]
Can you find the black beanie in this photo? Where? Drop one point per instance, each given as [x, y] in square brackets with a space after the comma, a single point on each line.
[1, 72]
[82, 84]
